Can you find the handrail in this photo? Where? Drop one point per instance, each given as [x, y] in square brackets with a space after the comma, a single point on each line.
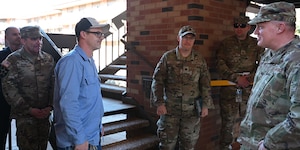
[113, 48]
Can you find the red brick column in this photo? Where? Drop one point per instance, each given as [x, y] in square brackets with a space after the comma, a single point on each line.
[152, 29]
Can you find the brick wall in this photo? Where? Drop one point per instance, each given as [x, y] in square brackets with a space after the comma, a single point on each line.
[152, 29]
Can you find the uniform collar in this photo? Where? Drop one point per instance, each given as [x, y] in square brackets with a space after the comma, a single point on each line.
[295, 41]
[29, 56]
[80, 51]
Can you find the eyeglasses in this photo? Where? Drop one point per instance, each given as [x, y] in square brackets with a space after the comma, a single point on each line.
[98, 34]
[236, 25]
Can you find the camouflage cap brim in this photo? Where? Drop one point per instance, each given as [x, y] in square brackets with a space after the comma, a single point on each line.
[186, 30]
[257, 20]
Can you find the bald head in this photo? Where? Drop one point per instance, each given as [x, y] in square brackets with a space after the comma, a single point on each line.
[12, 38]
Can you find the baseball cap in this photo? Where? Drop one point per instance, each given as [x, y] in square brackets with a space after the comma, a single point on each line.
[87, 23]
[186, 30]
[30, 32]
[241, 20]
[278, 11]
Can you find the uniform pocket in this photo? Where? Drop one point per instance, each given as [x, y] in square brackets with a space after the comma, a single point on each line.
[90, 83]
[89, 80]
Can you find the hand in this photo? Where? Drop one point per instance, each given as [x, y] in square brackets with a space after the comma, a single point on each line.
[46, 111]
[161, 110]
[261, 145]
[243, 81]
[84, 146]
[204, 112]
[37, 113]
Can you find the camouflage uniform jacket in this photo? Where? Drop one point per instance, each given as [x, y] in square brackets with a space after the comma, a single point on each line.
[29, 82]
[273, 112]
[237, 56]
[184, 78]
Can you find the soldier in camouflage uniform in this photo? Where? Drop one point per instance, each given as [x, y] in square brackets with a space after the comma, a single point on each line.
[237, 60]
[272, 120]
[28, 88]
[180, 82]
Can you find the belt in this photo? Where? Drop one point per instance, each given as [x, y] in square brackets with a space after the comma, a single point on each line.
[91, 147]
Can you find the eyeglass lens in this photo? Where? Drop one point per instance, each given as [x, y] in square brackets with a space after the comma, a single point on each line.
[98, 34]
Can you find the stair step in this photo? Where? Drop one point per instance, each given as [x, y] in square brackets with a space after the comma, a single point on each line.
[112, 118]
[112, 77]
[125, 125]
[117, 66]
[113, 138]
[113, 107]
[120, 60]
[144, 142]
[123, 57]
[113, 88]
[112, 91]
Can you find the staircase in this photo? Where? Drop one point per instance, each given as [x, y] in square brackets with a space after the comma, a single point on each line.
[126, 126]
[113, 78]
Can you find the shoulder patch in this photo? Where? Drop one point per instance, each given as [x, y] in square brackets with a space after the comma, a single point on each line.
[5, 63]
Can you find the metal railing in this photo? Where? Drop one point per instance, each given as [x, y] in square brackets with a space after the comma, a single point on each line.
[112, 47]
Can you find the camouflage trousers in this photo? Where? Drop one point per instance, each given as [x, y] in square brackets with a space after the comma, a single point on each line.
[32, 134]
[232, 114]
[173, 129]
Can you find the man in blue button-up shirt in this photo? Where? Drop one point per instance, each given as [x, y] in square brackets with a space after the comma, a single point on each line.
[78, 106]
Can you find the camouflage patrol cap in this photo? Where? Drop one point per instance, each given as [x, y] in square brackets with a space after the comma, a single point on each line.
[186, 30]
[30, 32]
[278, 11]
[241, 20]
